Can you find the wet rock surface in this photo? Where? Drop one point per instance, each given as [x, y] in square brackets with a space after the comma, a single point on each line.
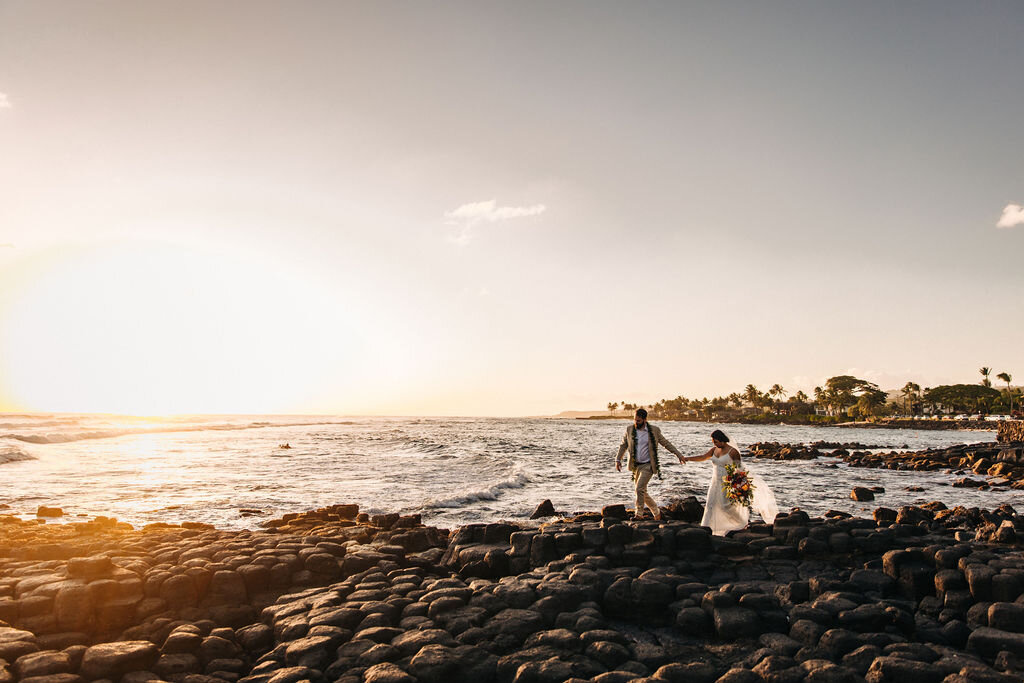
[918, 593]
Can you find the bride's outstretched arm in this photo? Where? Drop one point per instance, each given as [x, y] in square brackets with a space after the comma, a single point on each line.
[698, 458]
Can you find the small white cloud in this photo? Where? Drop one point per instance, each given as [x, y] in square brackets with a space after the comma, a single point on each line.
[1013, 215]
[490, 212]
[468, 216]
[5, 101]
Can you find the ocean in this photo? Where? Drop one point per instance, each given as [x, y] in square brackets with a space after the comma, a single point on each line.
[230, 471]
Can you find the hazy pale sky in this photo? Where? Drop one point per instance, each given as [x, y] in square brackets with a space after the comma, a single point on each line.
[502, 208]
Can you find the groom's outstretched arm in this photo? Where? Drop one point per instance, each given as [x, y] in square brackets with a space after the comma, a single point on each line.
[667, 444]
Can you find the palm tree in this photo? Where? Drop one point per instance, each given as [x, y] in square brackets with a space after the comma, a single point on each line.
[752, 394]
[776, 391]
[926, 401]
[869, 401]
[913, 389]
[910, 389]
[612, 407]
[985, 372]
[1007, 377]
[835, 400]
[718, 404]
[801, 396]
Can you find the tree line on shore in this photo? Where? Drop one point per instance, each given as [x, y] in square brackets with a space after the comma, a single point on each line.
[841, 398]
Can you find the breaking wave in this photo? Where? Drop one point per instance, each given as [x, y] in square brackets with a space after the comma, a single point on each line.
[14, 454]
[516, 481]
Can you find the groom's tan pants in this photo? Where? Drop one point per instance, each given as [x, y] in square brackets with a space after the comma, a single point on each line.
[643, 476]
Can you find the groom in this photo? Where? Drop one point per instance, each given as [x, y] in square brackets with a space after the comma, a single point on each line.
[641, 440]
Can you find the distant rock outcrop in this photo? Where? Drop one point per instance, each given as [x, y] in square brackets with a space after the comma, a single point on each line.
[1010, 432]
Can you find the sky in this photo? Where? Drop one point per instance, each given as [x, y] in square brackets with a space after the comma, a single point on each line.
[488, 208]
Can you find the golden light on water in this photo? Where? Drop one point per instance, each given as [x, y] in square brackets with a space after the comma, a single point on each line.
[151, 328]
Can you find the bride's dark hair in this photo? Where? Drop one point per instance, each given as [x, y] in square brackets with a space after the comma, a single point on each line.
[720, 435]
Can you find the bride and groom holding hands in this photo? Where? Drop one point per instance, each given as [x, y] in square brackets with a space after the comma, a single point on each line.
[722, 511]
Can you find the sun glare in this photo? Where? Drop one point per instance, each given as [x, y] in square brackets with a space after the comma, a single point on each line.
[152, 329]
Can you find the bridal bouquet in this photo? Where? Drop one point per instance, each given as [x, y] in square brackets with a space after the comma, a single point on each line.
[738, 486]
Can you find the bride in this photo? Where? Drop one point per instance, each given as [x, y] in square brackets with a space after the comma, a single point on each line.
[721, 514]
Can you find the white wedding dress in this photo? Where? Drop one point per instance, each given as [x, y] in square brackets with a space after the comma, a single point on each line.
[721, 514]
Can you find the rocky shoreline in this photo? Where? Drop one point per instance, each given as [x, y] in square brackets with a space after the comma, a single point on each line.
[925, 424]
[337, 595]
[1002, 464]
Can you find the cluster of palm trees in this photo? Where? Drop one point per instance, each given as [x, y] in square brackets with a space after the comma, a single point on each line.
[961, 396]
[839, 397]
[1002, 376]
[911, 392]
[736, 404]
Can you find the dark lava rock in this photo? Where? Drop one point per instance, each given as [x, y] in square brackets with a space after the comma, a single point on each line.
[545, 509]
[90, 567]
[989, 642]
[113, 660]
[732, 623]
[386, 672]
[886, 669]
[1006, 616]
[860, 493]
[688, 509]
[884, 515]
[690, 672]
[614, 511]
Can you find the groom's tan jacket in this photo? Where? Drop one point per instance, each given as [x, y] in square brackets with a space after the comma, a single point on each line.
[656, 437]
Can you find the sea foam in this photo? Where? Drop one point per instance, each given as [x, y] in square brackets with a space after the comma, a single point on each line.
[516, 481]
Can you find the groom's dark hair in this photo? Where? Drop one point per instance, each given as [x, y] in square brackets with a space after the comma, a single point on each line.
[642, 413]
[720, 435]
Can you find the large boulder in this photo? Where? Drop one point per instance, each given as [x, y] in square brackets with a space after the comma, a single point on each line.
[545, 509]
[113, 660]
[45, 663]
[227, 588]
[434, 663]
[90, 567]
[732, 623]
[617, 511]
[859, 493]
[15, 643]
[179, 591]
[75, 609]
[989, 642]
[314, 652]
[1006, 616]
[637, 598]
[518, 623]
[386, 672]
[177, 665]
[886, 669]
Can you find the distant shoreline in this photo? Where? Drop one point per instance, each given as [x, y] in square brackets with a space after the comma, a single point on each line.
[936, 425]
